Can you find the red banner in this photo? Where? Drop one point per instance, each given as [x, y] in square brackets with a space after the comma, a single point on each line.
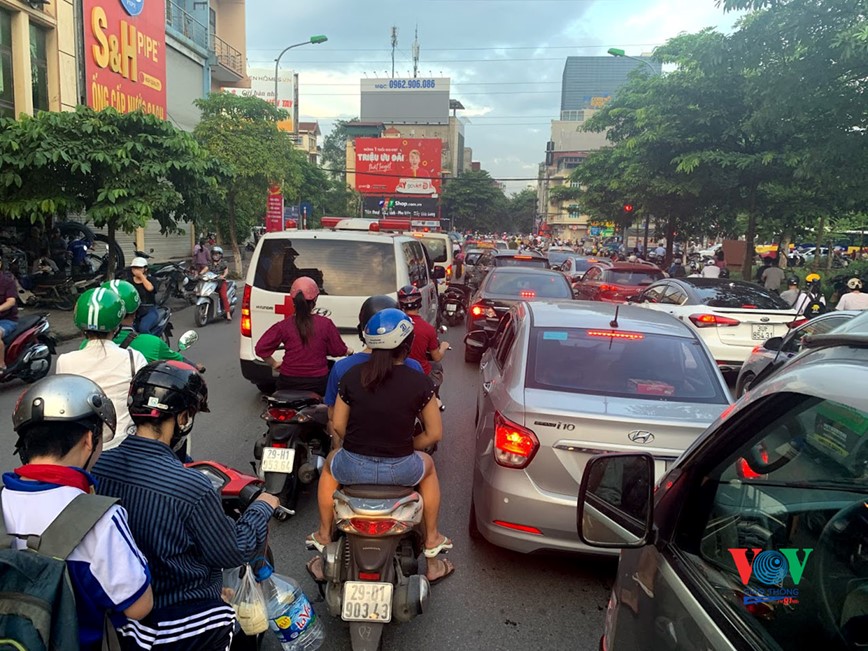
[125, 55]
[403, 166]
[274, 210]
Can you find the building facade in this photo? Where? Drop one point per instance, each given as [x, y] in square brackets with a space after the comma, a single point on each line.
[589, 81]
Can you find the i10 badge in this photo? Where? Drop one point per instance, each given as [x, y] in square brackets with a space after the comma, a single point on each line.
[133, 7]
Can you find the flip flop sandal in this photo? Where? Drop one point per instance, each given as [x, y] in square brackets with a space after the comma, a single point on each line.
[315, 567]
[450, 570]
[312, 543]
[444, 546]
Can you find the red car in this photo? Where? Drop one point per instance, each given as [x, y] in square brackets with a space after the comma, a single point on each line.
[616, 282]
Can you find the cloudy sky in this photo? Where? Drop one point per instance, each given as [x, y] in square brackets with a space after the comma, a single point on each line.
[505, 57]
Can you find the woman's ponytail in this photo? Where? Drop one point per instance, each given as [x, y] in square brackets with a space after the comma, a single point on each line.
[303, 318]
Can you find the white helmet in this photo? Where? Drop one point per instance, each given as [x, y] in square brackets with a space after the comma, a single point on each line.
[854, 283]
[216, 249]
[139, 262]
[709, 263]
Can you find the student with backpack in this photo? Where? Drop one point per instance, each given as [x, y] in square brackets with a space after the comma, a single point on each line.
[811, 302]
[86, 564]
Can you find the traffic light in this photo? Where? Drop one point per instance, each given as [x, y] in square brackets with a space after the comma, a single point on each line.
[628, 208]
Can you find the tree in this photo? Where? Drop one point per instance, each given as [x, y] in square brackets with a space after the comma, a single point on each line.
[334, 149]
[521, 212]
[121, 169]
[242, 133]
[474, 201]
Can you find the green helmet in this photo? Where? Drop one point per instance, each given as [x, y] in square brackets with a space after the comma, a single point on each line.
[99, 310]
[127, 292]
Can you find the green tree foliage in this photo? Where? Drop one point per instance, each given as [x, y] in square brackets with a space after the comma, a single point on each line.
[334, 149]
[242, 133]
[474, 201]
[120, 169]
[521, 212]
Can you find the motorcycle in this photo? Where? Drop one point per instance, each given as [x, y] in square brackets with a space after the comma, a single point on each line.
[453, 303]
[28, 350]
[208, 303]
[172, 279]
[292, 451]
[371, 570]
[163, 327]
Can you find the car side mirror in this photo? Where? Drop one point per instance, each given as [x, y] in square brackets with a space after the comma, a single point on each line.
[774, 343]
[438, 273]
[636, 298]
[477, 339]
[616, 501]
[187, 339]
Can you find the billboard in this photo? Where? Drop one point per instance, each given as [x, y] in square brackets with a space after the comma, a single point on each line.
[412, 207]
[262, 86]
[398, 166]
[405, 101]
[125, 55]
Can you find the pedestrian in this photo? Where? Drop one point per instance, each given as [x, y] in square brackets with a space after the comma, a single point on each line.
[8, 310]
[791, 294]
[811, 302]
[147, 315]
[201, 254]
[854, 299]
[60, 422]
[772, 275]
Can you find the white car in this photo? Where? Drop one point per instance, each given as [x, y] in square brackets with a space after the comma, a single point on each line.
[731, 316]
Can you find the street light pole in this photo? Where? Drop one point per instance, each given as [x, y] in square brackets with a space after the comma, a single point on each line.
[313, 40]
[618, 52]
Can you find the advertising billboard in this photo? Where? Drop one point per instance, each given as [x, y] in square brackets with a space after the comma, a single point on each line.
[262, 86]
[125, 55]
[405, 101]
[376, 207]
[398, 166]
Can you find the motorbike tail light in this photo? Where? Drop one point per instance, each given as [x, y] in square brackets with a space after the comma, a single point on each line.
[245, 312]
[369, 576]
[712, 320]
[514, 445]
[373, 526]
[281, 414]
[278, 444]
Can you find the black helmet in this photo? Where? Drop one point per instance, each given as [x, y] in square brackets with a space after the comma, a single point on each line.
[409, 297]
[793, 281]
[370, 307]
[167, 387]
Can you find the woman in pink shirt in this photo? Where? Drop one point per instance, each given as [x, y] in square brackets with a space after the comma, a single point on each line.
[308, 339]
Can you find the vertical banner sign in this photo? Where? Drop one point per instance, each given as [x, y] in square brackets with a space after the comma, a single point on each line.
[125, 55]
[274, 210]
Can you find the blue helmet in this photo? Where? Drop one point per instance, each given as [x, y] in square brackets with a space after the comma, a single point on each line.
[388, 329]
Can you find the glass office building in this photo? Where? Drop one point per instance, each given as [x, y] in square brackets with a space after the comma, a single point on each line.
[588, 82]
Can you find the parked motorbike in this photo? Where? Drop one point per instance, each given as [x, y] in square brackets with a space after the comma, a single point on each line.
[453, 303]
[28, 350]
[208, 303]
[292, 451]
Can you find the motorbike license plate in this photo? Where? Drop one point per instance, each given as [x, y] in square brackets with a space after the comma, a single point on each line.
[761, 332]
[278, 460]
[365, 601]
[450, 307]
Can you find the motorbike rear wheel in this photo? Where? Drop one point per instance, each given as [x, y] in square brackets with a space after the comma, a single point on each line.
[65, 302]
[202, 314]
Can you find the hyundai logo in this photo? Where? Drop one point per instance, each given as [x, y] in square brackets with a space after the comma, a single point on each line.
[640, 436]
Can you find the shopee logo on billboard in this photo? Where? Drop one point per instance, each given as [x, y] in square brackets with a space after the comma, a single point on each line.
[398, 165]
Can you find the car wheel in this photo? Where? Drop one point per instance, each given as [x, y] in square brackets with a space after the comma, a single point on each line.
[470, 356]
[744, 383]
[473, 528]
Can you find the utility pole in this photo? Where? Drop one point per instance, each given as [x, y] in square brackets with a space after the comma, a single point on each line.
[394, 45]
[415, 51]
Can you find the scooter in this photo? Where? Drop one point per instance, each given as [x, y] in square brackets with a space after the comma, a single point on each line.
[28, 350]
[208, 303]
[163, 327]
[292, 451]
[453, 303]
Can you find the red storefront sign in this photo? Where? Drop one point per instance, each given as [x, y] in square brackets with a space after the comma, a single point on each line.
[403, 166]
[125, 55]
[274, 210]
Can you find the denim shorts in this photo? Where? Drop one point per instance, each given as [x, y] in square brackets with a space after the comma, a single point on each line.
[7, 326]
[350, 468]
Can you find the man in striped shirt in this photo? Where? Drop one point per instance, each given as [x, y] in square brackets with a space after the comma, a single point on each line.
[176, 516]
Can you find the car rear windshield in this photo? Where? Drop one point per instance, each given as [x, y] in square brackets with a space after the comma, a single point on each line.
[339, 267]
[739, 296]
[528, 286]
[625, 364]
[520, 261]
[632, 277]
[558, 257]
[436, 248]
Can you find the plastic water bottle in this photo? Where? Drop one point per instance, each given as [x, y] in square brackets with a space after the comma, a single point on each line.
[290, 615]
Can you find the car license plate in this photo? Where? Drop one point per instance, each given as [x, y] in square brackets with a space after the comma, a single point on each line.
[365, 601]
[278, 460]
[761, 332]
[450, 307]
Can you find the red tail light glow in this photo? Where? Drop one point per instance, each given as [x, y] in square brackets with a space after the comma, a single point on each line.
[477, 310]
[514, 445]
[518, 527]
[245, 312]
[615, 334]
[608, 288]
[369, 576]
[278, 444]
[712, 320]
[527, 293]
[757, 349]
[744, 470]
[449, 271]
[377, 527]
[281, 414]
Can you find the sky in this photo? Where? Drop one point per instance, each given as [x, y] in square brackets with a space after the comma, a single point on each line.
[505, 57]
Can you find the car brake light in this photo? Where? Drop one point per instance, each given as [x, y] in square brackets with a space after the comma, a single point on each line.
[245, 312]
[281, 414]
[522, 257]
[373, 527]
[527, 293]
[483, 310]
[514, 445]
[608, 288]
[748, 307]
[449, 271]
[616, 334]
[477, 310]
[757, 349]
[518, 527]
[712, 320]
[369, 576]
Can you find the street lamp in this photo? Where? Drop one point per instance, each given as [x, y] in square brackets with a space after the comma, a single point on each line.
[618, 52]
[316, 39]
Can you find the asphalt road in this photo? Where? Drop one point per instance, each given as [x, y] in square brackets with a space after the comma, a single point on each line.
[495, 600]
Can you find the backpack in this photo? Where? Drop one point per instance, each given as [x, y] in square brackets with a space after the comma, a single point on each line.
[814, 307]
[37, 601]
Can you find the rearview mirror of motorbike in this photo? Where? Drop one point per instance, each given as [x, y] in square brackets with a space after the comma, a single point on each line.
[187, 339]
[477, 339]
[438, 273]
[443, 329]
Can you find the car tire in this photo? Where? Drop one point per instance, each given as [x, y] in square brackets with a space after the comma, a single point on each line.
[470, 356]
[472, 527]
[744, 383]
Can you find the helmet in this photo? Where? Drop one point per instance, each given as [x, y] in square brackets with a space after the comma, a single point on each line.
[167, 387]
[127, 292]
[709, 263]
[306, 286]
[99, 310]
[409, 297]
[388, 329]
[216, 250]
[793, 282]
[139, 262]
[63, 398]
[371, 306]
[812, 278]
[854, 283]
[724, 273]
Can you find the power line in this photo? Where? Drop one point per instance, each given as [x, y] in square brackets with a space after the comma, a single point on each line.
[453, 83]
[368, 64]
[481, 48]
